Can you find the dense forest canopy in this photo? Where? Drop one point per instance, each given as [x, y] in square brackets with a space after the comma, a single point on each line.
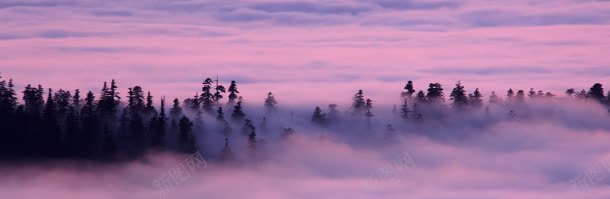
[124, 123]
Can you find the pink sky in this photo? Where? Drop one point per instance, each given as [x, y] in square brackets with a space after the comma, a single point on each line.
[169, 47]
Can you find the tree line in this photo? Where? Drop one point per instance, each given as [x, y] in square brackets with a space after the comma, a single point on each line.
[55, 124]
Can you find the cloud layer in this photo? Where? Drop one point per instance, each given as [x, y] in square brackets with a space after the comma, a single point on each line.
[170, 46]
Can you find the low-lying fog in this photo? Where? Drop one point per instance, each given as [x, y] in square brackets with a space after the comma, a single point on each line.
[546, 149]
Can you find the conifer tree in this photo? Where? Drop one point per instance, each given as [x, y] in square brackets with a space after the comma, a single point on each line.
[238, 113]
[570, 92]
[221, 114]
[149, 109]
[531, 93]
[458, 96]
[476, 99]
[493, 98]
[188, 143]
[359, 104]
[232, 92]
[219, 90]
[176, 110]
[435, 93]
[333, 113]
[158, 125]
[51, 133]
[510, 94]
[248, 127]
[226, 155]
[207, 98]
[596, 92]
[404, 110]
[520, 97]
[409, 89]
[318, 117]
[270, 103]
[421, 97]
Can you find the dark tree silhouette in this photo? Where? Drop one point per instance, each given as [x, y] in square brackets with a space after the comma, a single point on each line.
[218, 94]
[188, 142]
[435, 93]
[369, 114]
[318, 117]
[532, 93]
[520, 96]
[270, 103]
[149, 109]
[421, 97]
[570, 92]
[238, 114]
[232, 92]
[596, 92]
[158, 126]
[475, 99]
[408, 89]
[359, 104]
[220, 114]
[288, 133]
[494, 98]
[510, 94]
[50, 137]
[404, 110]
[207, 97]
[333, 113]
[248, 127]
[227, 155]
[458, 96]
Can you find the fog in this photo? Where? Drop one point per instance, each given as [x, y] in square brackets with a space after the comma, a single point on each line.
[537, 152]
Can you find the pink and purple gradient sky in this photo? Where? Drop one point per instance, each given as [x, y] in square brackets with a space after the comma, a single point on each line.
[169, 47]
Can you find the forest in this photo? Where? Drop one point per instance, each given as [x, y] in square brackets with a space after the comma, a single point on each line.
[113, 126]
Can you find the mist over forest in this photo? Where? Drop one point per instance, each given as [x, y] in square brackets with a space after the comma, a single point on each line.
[436, 141]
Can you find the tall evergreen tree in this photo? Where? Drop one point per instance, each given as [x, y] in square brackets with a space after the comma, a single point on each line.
[33, 98]
[248, 127]
[493, 98]
[520, 96]
[8, 97]
[570, 92]
[458, 96]
[188, 142]
[435, 93]
[226, 155]
[238, 114]
[359, 104]
[220, 114]
[333, 113]
[76, 100]
[90, 127]
[219, 90]
[158, 127]
[531, 93]
[149, 109]
[207, 97]
[421, 97]
[476, 99]
[596, 92]
[318, 117]
[51, 133]
[409, 89]
[510, 94]
[270, 103]
[232, 92]
[369, 113]
[404, 110]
